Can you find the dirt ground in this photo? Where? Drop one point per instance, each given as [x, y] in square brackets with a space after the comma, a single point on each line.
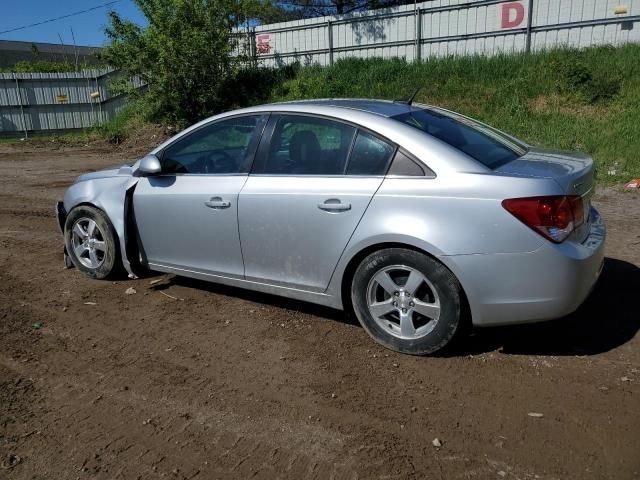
[219, 383]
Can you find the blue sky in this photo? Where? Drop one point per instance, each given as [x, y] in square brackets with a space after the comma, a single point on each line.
[88, 27]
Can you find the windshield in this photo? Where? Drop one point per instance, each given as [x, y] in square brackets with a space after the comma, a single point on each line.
[487, 145]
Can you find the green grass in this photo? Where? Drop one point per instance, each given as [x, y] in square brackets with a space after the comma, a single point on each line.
[585, 100]
[116, 130]
[76, 137]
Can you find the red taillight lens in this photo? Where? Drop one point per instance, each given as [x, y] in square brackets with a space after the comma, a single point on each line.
[553, 217]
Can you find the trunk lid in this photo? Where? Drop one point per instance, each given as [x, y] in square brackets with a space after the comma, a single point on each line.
[573, 171]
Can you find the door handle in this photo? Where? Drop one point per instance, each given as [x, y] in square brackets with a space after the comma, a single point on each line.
[217, 202]
[334, 205]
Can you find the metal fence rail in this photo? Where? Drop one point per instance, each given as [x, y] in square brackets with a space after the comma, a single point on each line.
[35, 102]
[450, 27]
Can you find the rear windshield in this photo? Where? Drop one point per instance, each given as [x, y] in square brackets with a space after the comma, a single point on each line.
[481, 142]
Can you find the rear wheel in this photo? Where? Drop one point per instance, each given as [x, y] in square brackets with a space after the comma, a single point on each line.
[91, 242]
[407, 301]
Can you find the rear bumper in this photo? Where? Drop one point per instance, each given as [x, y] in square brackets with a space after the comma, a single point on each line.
[548, 283]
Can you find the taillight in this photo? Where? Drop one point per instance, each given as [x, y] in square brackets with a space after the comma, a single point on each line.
[552, 217]
[577, 207]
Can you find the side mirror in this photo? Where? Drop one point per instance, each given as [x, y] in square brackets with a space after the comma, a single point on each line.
[149, 165]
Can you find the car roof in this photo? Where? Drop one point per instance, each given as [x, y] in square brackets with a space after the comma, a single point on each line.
[385, 108]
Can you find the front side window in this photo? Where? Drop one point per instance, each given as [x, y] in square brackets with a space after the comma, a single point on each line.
[485, 144]
[219, 148]
[302, 145]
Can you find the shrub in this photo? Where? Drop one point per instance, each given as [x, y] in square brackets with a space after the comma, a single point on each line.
[602, 88]
[131, 116]
[574, 77]
[186, 55]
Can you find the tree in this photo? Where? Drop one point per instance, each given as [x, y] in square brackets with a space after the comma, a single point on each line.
[186, 55]
[268, 11]
[315, 8]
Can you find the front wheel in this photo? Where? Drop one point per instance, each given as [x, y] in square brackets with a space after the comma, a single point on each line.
[91, 242]
[407, 301]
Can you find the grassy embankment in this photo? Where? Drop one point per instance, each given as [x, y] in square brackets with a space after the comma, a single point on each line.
[585, 100]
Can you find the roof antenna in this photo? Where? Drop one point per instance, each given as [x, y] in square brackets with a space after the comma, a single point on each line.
[410, 100]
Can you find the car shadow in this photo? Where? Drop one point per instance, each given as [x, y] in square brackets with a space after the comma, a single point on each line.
[259, 297]
[610, 317]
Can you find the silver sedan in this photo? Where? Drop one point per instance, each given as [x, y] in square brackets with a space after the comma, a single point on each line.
[417, 219]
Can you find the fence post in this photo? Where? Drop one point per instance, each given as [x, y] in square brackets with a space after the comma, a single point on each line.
[330, 38]
[529, 24]
[418, 35]
[90, 98]
[24, 122]
[100, 116]
[253, 55]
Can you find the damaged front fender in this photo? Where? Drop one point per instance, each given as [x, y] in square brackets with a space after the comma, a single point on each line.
[109, 194]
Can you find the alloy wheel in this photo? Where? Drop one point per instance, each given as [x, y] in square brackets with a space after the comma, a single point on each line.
[88, 243]
[403, 302]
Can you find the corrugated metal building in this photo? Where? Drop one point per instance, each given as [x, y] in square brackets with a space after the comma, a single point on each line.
[56, 101]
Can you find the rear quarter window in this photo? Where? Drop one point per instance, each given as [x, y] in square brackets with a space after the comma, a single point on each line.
[404, 166]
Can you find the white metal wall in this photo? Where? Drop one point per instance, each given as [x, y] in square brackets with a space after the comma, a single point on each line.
[450, 27]
[623, 28]
[56, 101]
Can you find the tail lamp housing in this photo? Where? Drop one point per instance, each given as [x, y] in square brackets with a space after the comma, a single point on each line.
[553, 217]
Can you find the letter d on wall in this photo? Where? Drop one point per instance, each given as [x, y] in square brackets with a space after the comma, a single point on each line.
[512, 14]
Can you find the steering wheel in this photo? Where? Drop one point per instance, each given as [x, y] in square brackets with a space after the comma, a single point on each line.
[219, 161]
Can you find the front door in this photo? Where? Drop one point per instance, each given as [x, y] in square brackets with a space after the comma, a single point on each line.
[187, 216]
[311, 183]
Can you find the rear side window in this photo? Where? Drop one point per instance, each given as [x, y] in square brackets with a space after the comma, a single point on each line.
[302, 145]
[370, 155]
[486, 145]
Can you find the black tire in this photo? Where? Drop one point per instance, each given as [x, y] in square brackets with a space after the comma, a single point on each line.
[440, 279]
[109, 258]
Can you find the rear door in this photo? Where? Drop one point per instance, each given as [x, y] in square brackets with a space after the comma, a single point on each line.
[312, 181]
[187, 216]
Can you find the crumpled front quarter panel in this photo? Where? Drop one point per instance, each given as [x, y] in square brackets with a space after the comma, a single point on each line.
[107, 194]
